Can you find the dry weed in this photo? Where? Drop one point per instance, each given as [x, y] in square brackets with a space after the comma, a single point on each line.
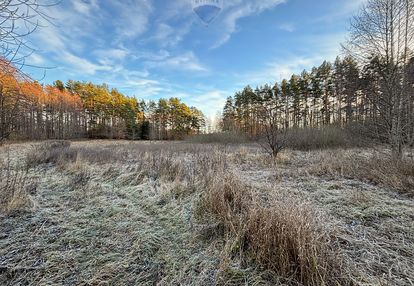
[14, 188]
[279, 233]
[376, 169]
[123, 213]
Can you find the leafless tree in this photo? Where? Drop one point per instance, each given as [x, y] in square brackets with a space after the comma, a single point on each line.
[382, 34]
[19, 19]
[273, 136]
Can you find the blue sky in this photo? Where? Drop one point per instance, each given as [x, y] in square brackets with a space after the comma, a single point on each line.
[156, 48]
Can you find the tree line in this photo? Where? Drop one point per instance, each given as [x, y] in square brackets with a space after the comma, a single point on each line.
[30, 110]
[373, 85]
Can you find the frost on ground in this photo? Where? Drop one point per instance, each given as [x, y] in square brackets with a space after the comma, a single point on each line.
[128, 213]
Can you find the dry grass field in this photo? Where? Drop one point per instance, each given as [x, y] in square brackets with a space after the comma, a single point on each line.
[176, 213]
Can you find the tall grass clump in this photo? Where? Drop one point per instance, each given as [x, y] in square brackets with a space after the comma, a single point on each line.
[379, 169]
[51, 152]
[290, 238]
[14, 188]
[278, 233]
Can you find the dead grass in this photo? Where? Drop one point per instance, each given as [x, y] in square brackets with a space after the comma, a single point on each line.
[156, 213]
[327, 137]
[278, 233]
[50, 152]
[14, 188]
[292, 239]
[378, 169]
[220, 138]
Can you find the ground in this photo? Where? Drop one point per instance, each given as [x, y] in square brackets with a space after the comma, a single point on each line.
[124, 213]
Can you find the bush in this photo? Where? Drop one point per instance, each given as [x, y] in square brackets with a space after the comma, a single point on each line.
[53, 152]
[14, 189]
[379, 169]
[307, 139]
[224, 198]
[290, 238]
[278, 233]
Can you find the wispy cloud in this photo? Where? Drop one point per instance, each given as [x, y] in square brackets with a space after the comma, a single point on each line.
[112, 55]
[210, 102]
[235, 10]
[279, 69]
[344, 9]
[133, 17]
[85, 7]
[186, 62]
[83, 65]
[165, 35]
[287, 27]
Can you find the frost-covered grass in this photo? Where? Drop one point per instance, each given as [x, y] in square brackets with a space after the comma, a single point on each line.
[171, 213]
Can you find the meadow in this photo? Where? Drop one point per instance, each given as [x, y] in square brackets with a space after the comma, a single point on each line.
[106, 212]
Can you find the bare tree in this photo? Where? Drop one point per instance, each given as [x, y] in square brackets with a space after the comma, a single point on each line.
[273, 136]
[19, 19]
[382, 35]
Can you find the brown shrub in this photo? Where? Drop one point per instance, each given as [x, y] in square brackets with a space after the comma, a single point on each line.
[51, 152]
[291, 238]
[278, 233]
[14, 189]
[307, 139]
[330, 137]
[80, 175]
[226, 199]
[376, 169]
[62, 153]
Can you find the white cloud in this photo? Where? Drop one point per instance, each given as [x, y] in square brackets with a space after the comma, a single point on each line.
[287, 27]
[176, 9]
[110, 56]
[60, 46]
[51, 39]
[186, 61]
[83, 65]
[167, 36]
[36, 60]
[209, 102]
[345, 9]
[84, 6]
[151, 56]
[280, 69]
[133, 17]
[235, 10]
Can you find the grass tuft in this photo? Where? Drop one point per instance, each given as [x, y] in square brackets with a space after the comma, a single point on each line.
[375, 169]
[14, 189]
[51, 152]
[278, 233]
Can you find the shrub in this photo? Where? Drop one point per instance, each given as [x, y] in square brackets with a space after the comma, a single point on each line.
[53, 152]
[307, 139]
[225, 199]
[14, 189]
[290, 238]
[379, 169]
[278, 233]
